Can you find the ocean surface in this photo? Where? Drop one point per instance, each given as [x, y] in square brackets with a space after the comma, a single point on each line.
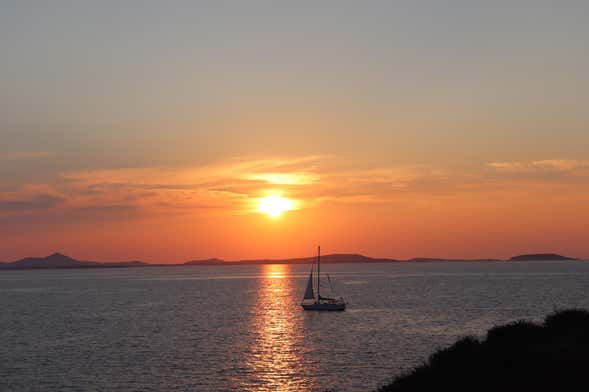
[240, 328]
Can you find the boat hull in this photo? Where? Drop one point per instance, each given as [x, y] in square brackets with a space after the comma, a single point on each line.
[325, 307]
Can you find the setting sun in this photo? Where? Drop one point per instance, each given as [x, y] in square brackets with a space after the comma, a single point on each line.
[274, 206]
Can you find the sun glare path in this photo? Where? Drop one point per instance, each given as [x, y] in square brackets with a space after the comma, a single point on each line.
[274, 206]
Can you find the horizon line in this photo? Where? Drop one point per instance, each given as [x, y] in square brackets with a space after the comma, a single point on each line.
[297, 260]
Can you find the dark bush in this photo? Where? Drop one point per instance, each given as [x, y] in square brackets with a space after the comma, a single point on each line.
[515, 333]
[567, 320]
[453, 355]
[520, 356]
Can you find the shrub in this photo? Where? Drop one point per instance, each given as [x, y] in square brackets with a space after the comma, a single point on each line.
[519, 356]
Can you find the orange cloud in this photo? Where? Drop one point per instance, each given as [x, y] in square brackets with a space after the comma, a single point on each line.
[234, 186]
[303, 178]
[550, 165]
[230, 186]
[208, 206]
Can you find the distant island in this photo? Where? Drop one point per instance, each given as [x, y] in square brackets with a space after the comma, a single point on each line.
[520, 356]
[540, 257]
[58, 260]
[332, 258]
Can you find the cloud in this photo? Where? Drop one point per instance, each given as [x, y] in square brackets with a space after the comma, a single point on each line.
[548, 165]
[27, 203]
[233, 186]
[302, 178]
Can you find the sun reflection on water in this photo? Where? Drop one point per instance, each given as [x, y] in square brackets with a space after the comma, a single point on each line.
[275, 358]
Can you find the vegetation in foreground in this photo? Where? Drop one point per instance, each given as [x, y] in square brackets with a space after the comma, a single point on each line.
[520, 356]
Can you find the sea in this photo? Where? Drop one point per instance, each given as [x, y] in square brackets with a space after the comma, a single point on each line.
[241, 328]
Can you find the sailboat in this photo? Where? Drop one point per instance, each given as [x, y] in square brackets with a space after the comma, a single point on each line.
[310, 302]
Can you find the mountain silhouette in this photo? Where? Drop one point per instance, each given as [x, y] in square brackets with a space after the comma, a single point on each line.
[58, 260]
[331, 258]
[540, 256]
[212, 261]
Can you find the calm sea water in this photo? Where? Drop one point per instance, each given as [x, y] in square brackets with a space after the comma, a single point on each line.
[241, 328]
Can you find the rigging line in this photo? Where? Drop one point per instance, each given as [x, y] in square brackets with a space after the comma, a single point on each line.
[330, 284]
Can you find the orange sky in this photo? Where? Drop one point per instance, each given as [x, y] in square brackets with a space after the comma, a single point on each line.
[171, 214]
[396, 129]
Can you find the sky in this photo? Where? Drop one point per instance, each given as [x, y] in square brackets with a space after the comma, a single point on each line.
[151, 130]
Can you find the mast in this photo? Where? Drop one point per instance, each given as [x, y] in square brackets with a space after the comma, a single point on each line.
[318, 272]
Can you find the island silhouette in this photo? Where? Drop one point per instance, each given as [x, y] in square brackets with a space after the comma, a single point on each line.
[540, 256]
[58, 260]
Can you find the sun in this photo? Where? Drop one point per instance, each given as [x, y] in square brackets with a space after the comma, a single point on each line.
[274, 205]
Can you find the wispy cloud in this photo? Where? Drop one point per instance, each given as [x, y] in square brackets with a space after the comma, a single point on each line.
[303, 178]
[28, 203]
[233, 186]
[547, 165]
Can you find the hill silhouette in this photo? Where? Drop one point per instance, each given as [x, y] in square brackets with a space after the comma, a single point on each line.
[211, 261]
[330, 258]
[58, 260]
[540, 256]
[520, 356]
